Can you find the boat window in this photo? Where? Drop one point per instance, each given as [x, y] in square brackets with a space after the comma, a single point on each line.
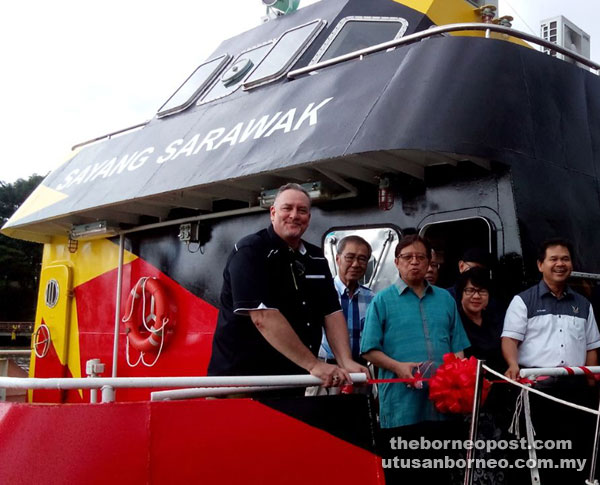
[52, 292]
[286, 50]
[381, 270]
[193, 86]
[354, 33]
[236, 73]
[449, 239]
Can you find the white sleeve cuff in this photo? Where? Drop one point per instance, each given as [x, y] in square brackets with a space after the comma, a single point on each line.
[244, 311]
[515, 335]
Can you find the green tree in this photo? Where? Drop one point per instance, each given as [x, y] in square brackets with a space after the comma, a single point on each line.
[20, 261]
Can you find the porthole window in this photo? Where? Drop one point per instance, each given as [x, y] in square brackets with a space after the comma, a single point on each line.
[354, 33]
[51, 294]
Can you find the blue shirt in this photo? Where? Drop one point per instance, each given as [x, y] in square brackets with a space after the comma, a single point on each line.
[354, 309]
[411, 329]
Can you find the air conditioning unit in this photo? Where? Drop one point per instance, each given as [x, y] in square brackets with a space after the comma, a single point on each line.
[561, 31]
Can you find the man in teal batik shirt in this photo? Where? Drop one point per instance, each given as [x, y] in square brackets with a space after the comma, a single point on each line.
[409, 323]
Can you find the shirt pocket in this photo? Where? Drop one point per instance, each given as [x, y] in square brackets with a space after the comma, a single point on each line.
[441, 343]
[439, 338]
[575, 328]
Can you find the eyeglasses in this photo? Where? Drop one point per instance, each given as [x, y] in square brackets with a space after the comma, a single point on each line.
[407, 258]
[435, 265]
[480, 291]
[350, 258]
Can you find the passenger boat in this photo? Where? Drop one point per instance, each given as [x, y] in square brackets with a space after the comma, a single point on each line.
[398, 116]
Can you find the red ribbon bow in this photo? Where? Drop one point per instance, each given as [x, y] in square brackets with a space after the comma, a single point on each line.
[452, 387]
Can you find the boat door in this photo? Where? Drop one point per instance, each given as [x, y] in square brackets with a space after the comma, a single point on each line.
[450, 238]
[50, 340]
[381, 270]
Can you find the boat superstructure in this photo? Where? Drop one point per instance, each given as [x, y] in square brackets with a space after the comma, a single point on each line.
[398, 116]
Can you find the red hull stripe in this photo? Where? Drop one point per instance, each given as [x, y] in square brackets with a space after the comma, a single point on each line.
[201, 441]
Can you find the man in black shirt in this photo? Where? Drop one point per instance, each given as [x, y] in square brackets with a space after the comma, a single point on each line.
[277, 296]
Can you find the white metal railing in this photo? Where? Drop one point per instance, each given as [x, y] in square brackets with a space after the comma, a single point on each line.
[196, 392]
[111, 134]
[558, 371]
[109, 384]
[14, 352]
[581, 274]
[526, 389]
[423, 34]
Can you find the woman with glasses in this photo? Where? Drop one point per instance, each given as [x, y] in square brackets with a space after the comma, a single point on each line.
[483, 328]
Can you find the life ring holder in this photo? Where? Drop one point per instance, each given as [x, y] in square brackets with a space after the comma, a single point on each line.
[156, 330]
[44, 331]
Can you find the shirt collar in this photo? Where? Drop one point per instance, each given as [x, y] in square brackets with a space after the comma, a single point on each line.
[544, 290]
[281, 243]
[341, 287]
[402, 286]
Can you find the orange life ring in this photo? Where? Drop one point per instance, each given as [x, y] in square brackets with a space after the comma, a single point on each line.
[148, 338]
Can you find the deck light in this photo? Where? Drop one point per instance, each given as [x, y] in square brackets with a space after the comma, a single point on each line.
[315, 191]
[93, 230]
[386, 195]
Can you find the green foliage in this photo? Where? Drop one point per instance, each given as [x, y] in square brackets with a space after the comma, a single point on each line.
[20, 261]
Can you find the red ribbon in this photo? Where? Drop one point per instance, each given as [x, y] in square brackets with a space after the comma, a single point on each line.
[452, 387]
[394, 380]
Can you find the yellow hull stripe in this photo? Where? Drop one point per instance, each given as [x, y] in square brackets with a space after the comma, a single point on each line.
[92, 259]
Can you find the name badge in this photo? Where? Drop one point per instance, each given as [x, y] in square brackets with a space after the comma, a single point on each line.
[315, 276]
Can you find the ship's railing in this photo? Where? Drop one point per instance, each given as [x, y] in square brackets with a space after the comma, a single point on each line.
[532, 374]
[111, 134]
[217, 385]
[558, 371]
[14, 352]
[461, 27]
[588, 276]
[443, 29]
[16, 328]
[203, 386]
